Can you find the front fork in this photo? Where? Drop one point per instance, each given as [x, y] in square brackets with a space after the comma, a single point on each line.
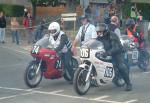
[39, 65]
[89, 72]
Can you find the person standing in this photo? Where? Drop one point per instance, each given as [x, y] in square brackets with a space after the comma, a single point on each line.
[85, 33]
[2, 27]
[14, 25]
[40, 29]
[28, 24]
[113, 26]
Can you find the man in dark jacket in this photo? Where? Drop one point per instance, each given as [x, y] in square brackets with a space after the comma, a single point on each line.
[113, 47]
[2, 27]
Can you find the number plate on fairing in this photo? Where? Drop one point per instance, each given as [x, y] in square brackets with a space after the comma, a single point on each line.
[35, 49]
[108, 72]
[135, 55]
[84, 53]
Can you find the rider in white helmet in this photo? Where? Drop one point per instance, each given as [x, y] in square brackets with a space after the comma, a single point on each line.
[61, 43]
[58, 39]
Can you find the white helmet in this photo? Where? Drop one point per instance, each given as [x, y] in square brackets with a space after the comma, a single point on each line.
[54, 28]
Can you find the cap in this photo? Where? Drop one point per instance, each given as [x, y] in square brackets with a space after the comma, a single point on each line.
[83, 17]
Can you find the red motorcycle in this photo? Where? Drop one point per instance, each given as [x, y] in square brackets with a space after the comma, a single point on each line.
[47, 63]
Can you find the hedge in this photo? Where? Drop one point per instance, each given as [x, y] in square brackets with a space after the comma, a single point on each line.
[12, 10]
[140, 6]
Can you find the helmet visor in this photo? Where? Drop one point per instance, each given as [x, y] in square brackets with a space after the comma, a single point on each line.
[52, 31]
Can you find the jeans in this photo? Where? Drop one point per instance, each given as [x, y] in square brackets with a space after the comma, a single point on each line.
[30, 36]
[38, 34]
[15, 37]
[2, 34]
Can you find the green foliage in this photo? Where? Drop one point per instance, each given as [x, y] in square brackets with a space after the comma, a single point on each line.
[126, 8]
[12, 10]
[144, 10]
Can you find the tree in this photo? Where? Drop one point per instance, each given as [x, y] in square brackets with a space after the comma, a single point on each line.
[34, 4]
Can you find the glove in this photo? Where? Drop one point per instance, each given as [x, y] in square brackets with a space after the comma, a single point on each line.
[105, 54]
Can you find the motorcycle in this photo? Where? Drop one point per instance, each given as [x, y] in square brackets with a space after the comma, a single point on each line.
[95, 70]
[133, 55]
[46, 63]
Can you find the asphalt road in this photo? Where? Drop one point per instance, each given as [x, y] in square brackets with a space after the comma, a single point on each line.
[13, 61]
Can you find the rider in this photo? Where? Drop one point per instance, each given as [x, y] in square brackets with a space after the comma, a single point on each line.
[113, 48]
[134, 31]
[61, 43]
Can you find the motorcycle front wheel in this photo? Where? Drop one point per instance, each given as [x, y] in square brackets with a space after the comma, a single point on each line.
[31, 78]
[69, 73]
[80, 85]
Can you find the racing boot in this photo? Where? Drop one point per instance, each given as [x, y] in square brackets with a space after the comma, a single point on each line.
[128, 87]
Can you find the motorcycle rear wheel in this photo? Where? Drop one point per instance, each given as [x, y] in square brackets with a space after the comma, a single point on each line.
[80, 85]
[31, 79]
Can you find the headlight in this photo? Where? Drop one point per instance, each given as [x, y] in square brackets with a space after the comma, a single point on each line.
[49, 56]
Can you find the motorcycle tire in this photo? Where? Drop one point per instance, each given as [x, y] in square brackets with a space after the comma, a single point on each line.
[79, 79]
[144, 63]
[69, 73]
[31, 79]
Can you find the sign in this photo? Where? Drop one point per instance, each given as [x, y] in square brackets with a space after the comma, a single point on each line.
[68, 17]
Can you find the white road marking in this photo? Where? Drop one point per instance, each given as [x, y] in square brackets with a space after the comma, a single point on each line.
[19, 51]
[56, 93]
[102, 97]
[18, 89]
[146, 72]
[131, 101]
[13, 96]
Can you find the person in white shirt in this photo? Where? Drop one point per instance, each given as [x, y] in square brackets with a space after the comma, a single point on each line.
[113, 26]
[85, 33]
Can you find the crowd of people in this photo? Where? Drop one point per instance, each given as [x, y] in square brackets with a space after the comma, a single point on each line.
[34, 33]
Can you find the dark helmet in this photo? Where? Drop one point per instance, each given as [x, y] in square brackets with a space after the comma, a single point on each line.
[101, 29]
[130, 22]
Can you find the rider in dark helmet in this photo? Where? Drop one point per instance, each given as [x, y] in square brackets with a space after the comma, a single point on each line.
[134, 31]
[113, 47]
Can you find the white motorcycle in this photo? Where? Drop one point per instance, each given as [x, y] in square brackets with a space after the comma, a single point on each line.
[94, 70]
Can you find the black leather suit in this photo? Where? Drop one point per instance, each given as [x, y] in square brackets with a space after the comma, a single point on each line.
[113, 47]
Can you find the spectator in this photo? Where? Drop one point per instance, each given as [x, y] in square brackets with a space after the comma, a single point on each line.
[88, 12]
[85, 33]
[2, 27]
[14, 25]
[106, 16]
[40, 29]
[113, 26]
[133, 13]
[28, 24]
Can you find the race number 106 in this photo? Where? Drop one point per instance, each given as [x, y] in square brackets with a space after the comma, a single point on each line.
[84, 53]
